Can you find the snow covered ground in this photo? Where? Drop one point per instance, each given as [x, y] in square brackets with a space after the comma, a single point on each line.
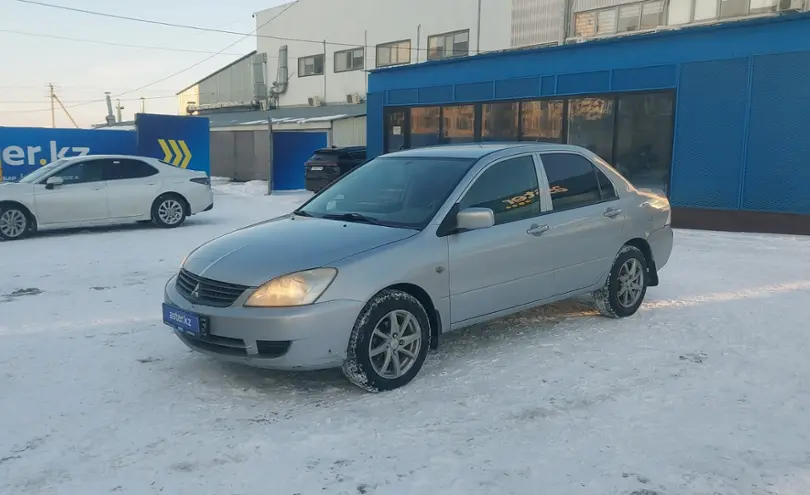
[705, 391]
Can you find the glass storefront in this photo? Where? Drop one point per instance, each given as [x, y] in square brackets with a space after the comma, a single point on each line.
[632, 132]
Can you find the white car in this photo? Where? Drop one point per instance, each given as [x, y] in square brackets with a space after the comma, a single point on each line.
[100, 190]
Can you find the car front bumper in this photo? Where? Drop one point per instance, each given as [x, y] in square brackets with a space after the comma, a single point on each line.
[297, 338]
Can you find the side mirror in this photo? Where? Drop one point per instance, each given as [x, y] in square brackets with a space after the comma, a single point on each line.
[53, 182]
[475, 219]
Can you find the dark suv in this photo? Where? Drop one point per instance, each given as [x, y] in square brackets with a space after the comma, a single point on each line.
[327, 164]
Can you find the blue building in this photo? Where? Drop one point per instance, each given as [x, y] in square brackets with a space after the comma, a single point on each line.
[717, 116]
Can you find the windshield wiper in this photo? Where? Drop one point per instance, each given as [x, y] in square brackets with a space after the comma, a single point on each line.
[351, 217]
[302, 213]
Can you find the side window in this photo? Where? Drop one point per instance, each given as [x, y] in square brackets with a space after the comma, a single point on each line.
[509, 188]
[127, 169]
[80, 173]
[571, 180]
[606, 187]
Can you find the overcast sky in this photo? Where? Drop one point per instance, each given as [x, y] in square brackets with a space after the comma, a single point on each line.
[81, 72]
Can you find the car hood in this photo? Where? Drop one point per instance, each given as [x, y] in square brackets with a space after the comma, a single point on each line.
[255, 254]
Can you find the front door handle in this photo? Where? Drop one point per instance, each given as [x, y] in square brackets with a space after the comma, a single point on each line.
[537, 230]
[612, 212]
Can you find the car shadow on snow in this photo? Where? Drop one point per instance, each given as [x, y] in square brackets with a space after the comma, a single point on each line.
[457, 349]
[127, 227]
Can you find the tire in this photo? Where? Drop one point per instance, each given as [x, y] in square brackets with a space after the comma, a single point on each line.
[15, 223]
[369, 372]
[611, 300]
[169, 211]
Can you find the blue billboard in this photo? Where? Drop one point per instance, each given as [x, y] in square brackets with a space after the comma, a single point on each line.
[181, 141]
[24, 149]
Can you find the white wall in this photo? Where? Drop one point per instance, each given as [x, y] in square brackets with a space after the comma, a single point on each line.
[347, 21]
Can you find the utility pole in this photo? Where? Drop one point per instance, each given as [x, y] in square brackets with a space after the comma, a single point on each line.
[478, 31]
[53, 107]
[143, 104]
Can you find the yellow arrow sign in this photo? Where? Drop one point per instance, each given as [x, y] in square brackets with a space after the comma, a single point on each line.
[175, 152]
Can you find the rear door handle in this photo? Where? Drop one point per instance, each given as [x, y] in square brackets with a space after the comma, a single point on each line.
[537, 230]
[612, 212]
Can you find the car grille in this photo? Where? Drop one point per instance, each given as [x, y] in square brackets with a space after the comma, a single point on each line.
[207, 292]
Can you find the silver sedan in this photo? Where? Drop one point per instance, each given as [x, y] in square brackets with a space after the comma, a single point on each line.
[369, 273]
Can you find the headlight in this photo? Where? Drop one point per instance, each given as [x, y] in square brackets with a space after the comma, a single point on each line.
[295, 289]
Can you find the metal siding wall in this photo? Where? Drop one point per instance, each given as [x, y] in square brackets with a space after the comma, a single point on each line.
[231, 85]
[223, 154]
[536, 22]
[709, 134]
[693, 44]
[291, 150]
[349, 132]
[777, 170]
[375, 126]
[583, 5]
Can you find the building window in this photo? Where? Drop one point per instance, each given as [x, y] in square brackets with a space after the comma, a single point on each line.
[395, 53]
[448, 45]
[626, 18]
[733, 8]
[629, 18]
[541, 121]
[499, 121]
[651, 14]
[705, 10]
[458, 124]
[585, 24]
[606, 21]
[762, 6]
[310, 66]
[425, 126]
[644, 138]
[346, 60]
[590, 125]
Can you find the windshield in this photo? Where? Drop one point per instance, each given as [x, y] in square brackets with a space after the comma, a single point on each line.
[41, 172]
[392, 191]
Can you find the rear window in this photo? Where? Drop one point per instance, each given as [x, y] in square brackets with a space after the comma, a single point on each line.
[325, 156]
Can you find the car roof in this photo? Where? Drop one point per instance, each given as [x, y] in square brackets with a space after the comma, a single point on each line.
[109, 157]
[479, 150]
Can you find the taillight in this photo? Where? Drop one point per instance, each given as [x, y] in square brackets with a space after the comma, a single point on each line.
[202, 180]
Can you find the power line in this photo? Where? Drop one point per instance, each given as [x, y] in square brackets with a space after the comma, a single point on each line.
[206, 59]
[82, 103]
[201, 28]
[111, 43]
[85, 101]
[170, 75]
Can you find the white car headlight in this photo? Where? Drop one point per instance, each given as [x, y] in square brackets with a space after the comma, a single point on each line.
[295, 289]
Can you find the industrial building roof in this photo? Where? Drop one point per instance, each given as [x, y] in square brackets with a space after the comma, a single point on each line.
[243, 57]
[290, 115]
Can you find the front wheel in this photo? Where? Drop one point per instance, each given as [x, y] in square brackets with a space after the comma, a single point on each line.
[626, 285]
[389, 342]
[169, 211]
[14, 223]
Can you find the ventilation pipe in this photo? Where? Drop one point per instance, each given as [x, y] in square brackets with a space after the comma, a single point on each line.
[110, 118]
[282, 76]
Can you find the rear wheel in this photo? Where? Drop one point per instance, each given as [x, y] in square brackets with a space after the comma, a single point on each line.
[169, 211]
[626, 285]
[14, 223]
[389, 342]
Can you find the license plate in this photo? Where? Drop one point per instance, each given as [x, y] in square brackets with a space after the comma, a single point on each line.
[182, 320]
[316, 168]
